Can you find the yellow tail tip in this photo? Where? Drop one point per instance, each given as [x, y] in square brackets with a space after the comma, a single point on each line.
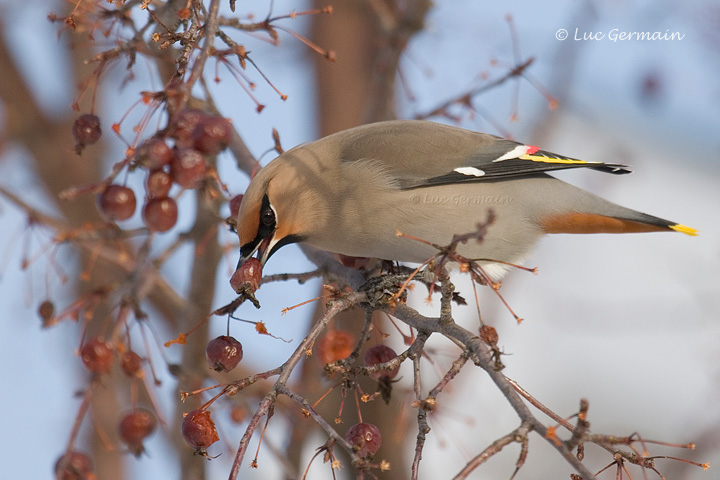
[683, 229]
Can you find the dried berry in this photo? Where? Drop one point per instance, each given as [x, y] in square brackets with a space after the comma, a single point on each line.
[365, 439]
[46, 310]
[154, 153]
[223, 353]
[235, 205]
[335, 345]
[131, 363]
[381, 354]
[489, 335]
[135, 427]
[160, 214]
[211, 135]
[158, 184]
[198, 430]
[188, 167]
[97, 355]
[86, 131]
[74, 465]
[116, 202]
[247, 278]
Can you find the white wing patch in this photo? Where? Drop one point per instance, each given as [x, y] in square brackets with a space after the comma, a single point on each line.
[472, 171]
[516, 153]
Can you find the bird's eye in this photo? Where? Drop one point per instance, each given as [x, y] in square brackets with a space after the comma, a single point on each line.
[268, 217]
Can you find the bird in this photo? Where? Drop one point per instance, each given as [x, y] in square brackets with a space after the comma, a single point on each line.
[392, 189]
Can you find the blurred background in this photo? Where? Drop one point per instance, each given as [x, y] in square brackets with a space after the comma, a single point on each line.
[628, 322]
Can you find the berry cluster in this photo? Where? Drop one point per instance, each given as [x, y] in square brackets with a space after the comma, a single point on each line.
[176, 156]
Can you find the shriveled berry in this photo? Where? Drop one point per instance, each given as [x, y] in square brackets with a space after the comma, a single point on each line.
[235, 205]
[154, 153]
[211, 135]
[97, 355]
[74, 465]
[198, 430]
[184, 123]
[160, 214]
[247, 278]
[223, 353]
[46, 310]
[158, 184]
[489, 335]
[381, 354]
[188, 167]
[135, 427]
[116, 202]
[130, 363]
[365, 439]
[335, 345]
[86, 131]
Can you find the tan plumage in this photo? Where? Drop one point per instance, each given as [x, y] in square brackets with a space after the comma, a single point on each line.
[350, 192]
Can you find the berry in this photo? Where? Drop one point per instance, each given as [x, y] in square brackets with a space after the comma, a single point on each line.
[116, 203]
[489, 335]
[160, 214]
[131, 363]
[185, 121]
[198, 430]
[235, 205]
[365, 439]
[154, 153]
[46, 310]
[86, 131]
[74, 465]
[158, 184]
[188, 167]
[335, 345]
[135, 427]
[97, 354]
[247, 278]
[381, 354]
[223, 353]
[211, 135]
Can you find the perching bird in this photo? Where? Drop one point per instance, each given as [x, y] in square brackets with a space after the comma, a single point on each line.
[351, 192]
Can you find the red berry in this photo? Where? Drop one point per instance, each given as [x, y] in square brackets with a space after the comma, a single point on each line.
[223, 353]
[160, 214]
[74, 466]
[198, 430]
[86, 131]
[116, 203]
[135, 427]
[365, 439]
[154, 153]
[247, 278]
[131, 363]
[335, 345]
[211, 135]
[184, 123]
[158, 184]
[381, 354]
[188, 167]
[97, 355]
[235, 205]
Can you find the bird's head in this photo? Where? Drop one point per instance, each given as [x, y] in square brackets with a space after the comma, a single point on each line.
[277, 209]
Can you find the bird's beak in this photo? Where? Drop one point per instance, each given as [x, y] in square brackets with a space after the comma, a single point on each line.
[263, 249]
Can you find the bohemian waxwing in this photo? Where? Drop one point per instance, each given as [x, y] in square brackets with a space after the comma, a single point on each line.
[351, 192]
